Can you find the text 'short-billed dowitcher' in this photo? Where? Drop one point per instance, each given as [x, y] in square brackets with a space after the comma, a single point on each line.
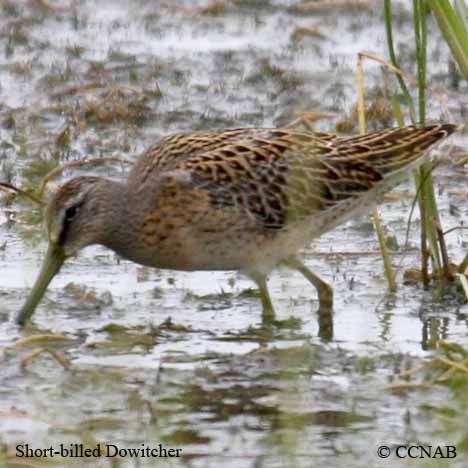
[242, 199]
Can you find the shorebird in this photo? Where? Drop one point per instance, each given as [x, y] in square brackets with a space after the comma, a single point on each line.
[244, 199]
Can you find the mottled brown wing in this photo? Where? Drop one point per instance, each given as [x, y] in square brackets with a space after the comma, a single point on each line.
[174, 150]
[279, 176]
[272, 177]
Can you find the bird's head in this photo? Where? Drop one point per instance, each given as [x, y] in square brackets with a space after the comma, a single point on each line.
[74, 219]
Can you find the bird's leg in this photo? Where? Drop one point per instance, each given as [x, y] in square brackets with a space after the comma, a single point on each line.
[268, 312]
[325, 294]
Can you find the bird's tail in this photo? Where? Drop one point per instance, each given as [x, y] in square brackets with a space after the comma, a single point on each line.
[390, 151]
[357, 171]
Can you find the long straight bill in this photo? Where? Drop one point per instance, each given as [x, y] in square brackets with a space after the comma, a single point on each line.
[50, 267]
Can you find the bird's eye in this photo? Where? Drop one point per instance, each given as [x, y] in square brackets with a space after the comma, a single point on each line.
[71, 213]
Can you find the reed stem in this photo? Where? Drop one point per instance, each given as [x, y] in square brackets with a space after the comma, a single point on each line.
[389, 273]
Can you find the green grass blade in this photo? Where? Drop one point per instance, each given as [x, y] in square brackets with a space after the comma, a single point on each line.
[393, 59]
[462, 12]
[454, 30]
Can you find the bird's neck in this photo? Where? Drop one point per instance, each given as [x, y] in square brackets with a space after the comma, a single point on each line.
[119, 215]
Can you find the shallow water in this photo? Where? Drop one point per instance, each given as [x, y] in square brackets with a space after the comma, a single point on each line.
[181, 358]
